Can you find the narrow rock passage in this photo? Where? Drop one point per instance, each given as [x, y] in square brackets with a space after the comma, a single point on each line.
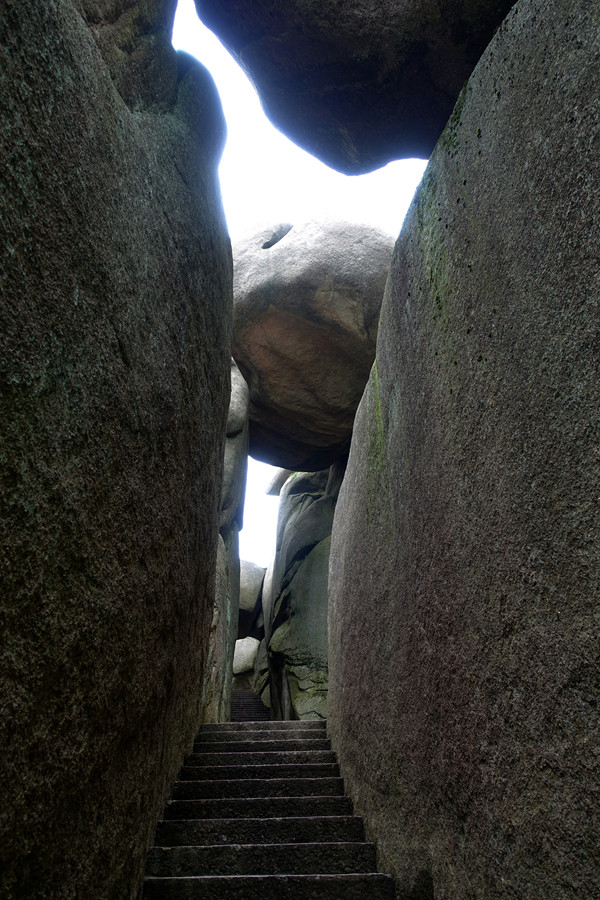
[259, 812]
[246, 706]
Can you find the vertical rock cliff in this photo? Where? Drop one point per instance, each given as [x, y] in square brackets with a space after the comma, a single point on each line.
[115, 307]
[464, 579]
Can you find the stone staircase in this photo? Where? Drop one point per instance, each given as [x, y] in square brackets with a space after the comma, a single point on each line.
[246, 706]
[259, 813]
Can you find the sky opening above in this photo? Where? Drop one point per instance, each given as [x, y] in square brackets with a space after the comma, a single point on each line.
[266, 180]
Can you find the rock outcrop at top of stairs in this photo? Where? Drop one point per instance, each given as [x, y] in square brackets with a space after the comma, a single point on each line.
[306, 308]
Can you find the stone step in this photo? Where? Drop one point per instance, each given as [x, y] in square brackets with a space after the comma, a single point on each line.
[261, 859]
[261, 734]
[259, 787]
[260, 758]
[263, 746]
[258, 807]
[309, 724]
[271, 887]
[281, 770]
[300, 830]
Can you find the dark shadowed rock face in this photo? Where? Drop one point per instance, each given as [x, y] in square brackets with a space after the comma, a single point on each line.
[115, 329]
[465, 558]
[306, 308]
[357, 82]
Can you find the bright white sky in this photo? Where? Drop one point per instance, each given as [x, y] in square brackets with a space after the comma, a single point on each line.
[265, 180]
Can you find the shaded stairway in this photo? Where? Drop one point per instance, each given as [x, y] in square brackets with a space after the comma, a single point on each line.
[259, 813]
[246, 706]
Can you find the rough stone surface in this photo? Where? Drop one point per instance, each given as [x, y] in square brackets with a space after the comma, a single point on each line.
[245, 655]
[306, 310]
[295, 596]
[251, 582]
[216, 702]
[278, 481]
[357, 83]
[464, 574]
[115, 304]
[223, 632]
[261, 681]
[236, 454]
[299, 634]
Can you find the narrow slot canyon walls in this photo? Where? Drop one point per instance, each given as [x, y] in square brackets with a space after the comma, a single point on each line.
[216, 702]
[115, 335]
[465, 560]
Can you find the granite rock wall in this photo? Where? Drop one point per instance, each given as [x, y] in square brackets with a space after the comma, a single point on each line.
[464, 575]
[115, 329]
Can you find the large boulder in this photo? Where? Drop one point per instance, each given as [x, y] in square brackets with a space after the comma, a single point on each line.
[357, 83]
[115, 327]
[465, 561]
[306, 308]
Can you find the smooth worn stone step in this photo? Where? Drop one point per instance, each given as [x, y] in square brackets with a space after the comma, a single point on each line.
[271, 887]
[260, 734]
[226, 773]
[259, 787]
[261, 859]
[257, 807]
[300, 830]
[260, 758]
[305, 724]
[265, 746]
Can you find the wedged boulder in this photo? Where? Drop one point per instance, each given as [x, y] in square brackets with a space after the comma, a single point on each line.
[244, 659]
[295, 596]
[357, 83]
[306, 308]
[245, 655]
[251, 582]
[464, 569]
[115, 331]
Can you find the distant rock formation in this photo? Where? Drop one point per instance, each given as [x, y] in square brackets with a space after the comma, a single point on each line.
[306, 308]
[250, 620]
[465, 560]
[357, 83]
[223, 632]
[292, 665]
[115, 330]
[244, 660]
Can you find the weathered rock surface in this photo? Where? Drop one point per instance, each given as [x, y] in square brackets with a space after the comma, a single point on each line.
[464, 574]
[245, 655]
[217, 683]
[295, 597]
[115, 287]
[236, 454]
[306, 309]
[251, 582]
[357, 83]
[224, 627]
